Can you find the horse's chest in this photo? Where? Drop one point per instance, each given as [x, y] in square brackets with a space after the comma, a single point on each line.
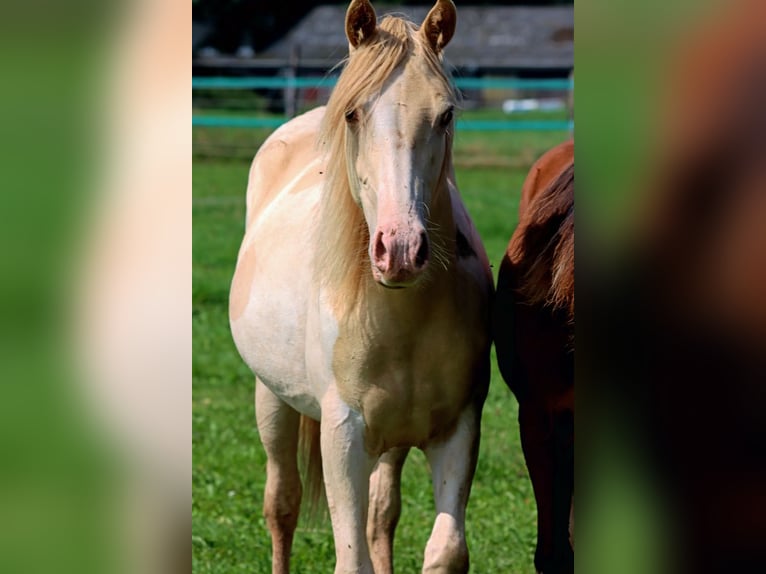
[410, 388]
[410, 412]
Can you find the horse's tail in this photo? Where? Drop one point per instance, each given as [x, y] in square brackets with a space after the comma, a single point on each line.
[310, 455]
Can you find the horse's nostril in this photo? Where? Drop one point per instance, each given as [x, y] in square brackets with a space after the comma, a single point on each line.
[379, 250]
[421, 257]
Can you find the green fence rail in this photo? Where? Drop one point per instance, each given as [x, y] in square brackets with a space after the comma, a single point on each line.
[327, 82]
[466, 125]
[283, 82]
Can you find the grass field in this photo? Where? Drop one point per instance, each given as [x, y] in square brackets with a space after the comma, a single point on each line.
[229, 533]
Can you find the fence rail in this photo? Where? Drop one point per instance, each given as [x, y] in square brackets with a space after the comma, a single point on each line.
[290, 84]
[468, 125]
[282, 82]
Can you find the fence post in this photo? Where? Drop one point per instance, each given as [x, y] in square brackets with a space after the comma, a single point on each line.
[291, 91]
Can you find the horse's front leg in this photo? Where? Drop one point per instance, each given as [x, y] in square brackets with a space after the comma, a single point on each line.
[385, 508]
[346, 467]
[278, 428]
[453, 462]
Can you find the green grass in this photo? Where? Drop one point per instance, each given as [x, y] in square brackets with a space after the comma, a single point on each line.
[229, 533]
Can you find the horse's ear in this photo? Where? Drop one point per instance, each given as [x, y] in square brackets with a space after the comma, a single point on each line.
[439, 25]
[360, 22]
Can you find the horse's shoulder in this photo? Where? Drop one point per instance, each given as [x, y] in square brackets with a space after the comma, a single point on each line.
[291, 142]
[283, 155]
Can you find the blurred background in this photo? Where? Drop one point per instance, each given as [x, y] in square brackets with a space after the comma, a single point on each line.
[256, 66]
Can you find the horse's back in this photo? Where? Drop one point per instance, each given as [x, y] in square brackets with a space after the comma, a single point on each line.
[544, 171]
[270, 289]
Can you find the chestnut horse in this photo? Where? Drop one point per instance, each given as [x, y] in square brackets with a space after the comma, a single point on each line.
[534, 337]
[361, 299]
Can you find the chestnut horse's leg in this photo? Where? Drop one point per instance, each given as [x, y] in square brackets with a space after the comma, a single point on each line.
[385, 508]
[346, 465]
[453, 463]
[278, 427]
[552, 480]
[537, 443]
[563, 490]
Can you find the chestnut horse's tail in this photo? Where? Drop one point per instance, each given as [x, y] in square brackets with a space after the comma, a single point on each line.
[545, 253]
[310, 457]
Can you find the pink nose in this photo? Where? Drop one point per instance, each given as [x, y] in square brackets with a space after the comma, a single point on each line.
[399, 256]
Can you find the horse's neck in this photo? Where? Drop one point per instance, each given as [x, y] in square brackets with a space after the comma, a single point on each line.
[442, 213]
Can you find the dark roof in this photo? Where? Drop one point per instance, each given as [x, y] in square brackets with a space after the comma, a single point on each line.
[200, 33]
[499, 37]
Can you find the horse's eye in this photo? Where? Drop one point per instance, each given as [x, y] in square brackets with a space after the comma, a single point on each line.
[446, 117]
[352, 116]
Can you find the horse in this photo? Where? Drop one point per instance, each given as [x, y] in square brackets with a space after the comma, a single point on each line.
[533, 324]
[361, 299]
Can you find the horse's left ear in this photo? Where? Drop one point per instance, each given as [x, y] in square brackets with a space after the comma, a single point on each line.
[439, 25]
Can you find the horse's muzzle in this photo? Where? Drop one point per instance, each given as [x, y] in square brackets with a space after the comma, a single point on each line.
[399, 258]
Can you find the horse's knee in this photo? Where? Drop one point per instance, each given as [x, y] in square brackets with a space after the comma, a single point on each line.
[280, 523]
[381, 521]
[384, 508]
[381, 524]
[448, 560]
[281, 506]
[447, 551]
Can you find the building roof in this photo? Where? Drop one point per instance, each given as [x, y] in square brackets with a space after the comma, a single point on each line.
[487, 37]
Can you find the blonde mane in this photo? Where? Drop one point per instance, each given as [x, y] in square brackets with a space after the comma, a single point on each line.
[343, 236]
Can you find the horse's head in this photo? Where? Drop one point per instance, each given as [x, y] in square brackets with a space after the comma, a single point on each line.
[398, 110]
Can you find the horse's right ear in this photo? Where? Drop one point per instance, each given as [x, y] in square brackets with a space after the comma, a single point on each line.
[360, 22]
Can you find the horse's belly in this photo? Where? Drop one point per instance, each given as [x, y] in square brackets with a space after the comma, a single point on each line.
[269, 300]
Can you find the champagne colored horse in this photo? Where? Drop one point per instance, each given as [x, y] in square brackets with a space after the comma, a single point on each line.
[361, 298]
[534, 338]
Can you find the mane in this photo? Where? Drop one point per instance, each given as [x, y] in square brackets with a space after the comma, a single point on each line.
[343, 236]
[546, 250]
